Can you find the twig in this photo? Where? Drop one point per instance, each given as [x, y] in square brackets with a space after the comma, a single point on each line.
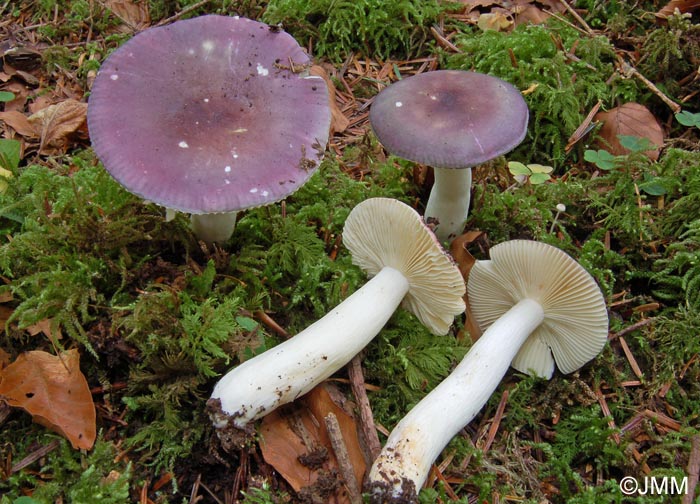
[34, 456]
[628, 70]
[343, 458]
[693, 469]
[369, 431]
[496, 421]
[576, 16]
[182, 12]
[632, 328]
[630, 358]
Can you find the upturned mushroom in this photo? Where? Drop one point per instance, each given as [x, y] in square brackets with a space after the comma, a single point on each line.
[407, 266]
[209, 116]
[538, 306]
[451, 120]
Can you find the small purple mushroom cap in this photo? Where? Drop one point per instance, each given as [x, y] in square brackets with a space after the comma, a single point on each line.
[211, 114]
[449, 118]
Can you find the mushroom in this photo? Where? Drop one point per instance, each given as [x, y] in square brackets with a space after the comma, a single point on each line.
[538, 306]
[388, 240]
[451, 120]
[209, 116]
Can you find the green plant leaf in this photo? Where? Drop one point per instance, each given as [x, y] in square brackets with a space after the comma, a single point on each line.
[635, 143]
[6, 96]
[601, 158]
[517, 168]
[539, 178]
[688, 118]
[538, 168]
[10, 151]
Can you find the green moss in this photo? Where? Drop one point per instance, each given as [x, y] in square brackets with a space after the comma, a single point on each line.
[373, 28]
[67, 475]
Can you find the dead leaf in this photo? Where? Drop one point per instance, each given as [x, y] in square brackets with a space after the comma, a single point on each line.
[4, 359]
[54, 391]
[465, 261]
[495, 20]
[18, 122]
[683, 6]
[56, 122]
[338, 120]
[282, 444]
[134, 14]
[45, 326]
[629, 119]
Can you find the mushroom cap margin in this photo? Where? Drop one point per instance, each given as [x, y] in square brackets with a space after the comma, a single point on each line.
[382, 232]
[575, 325]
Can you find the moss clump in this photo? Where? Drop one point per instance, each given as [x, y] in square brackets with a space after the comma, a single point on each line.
[373, 28]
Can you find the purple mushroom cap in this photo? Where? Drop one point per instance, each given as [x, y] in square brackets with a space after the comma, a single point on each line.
[449, 118]
[210, 114]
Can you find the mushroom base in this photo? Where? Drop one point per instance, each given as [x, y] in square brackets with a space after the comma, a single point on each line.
[402, 491]
[232, 437]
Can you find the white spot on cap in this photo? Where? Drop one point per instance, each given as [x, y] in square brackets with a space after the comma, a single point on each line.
[190, 52]
[262, 70]
[114, 76]
[208, 45]
[227, 181]
[183, 145]
[206, 100]
[399, 104]
[254, 190]
[265, 193]
[433, 97]
[227, 169]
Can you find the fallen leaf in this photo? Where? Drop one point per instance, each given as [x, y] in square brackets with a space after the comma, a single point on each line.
[282, 444]
[54, 391]
[18, 122]
[134, 14]
[465, 261]
[338, 120]
[56, 122]
[46, 327]
[496, 21]
[630, 119]
[683, 6]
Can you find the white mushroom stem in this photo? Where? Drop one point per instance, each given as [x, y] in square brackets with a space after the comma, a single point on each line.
[422, 434]
[292, 368]
[213, 227]
[449, 201]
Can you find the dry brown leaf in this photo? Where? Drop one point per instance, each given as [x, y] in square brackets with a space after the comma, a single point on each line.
[5, 313]
[56, 122]
[338, 120]
[282, 444]
[18, 122]
[134, 14]
[495, 20]
[44, 326]
[465, 261]
[54, 391]
[4, 359]
[683, 6]
[629, 119]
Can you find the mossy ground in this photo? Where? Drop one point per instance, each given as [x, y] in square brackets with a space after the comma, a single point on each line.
[158, 317]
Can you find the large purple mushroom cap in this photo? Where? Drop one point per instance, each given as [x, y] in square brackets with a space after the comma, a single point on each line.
[449, 118]
[211, 114]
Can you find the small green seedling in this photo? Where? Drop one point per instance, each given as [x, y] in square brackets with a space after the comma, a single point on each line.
[6, 96]
[535, 173]
[688, 118]
[601, 158]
